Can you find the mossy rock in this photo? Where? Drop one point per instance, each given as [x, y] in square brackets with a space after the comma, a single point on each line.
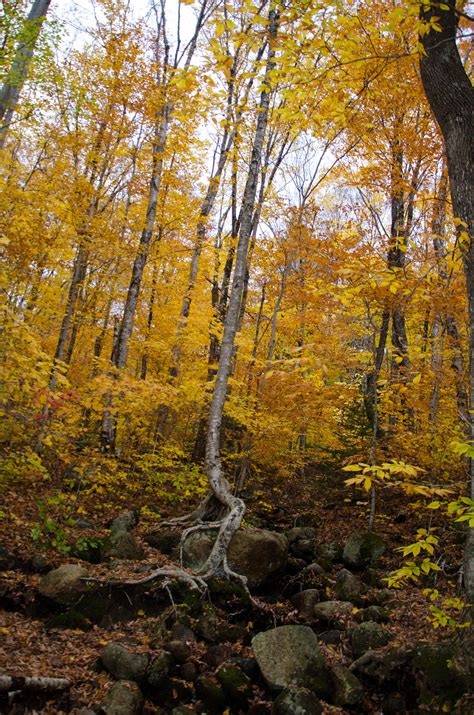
[236, 684]
[71, 620]
[368, 636]
[363, 549]
[124, 698]
[297, 701]
[211, 692]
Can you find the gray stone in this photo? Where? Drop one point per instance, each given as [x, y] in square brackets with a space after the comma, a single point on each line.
[121, 545]
[179, 650]
[64, 585]
[124, 698]
[372, 613]
[383, 666]
[257, 554]
[299, 533]
[350, 588]
[123, 664]
[333, 611]
[330, 552]
[290, 656]
[362, 549]
[368, 636]
[166, 540]
[297, 701]
[347, 689]
[124, 522]
[158, 669]
[305, 601]
[237, 686]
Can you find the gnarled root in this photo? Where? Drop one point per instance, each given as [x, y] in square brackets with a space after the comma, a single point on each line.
[195, 583]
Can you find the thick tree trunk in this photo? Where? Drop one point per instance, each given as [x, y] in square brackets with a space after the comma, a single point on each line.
[450, 94]
[10, 92]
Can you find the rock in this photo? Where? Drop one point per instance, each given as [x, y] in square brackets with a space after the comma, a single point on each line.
[378, 598]
[158, 670]
[257, 554]
[368, 636]
[290, 656]
[297, 701]
[211, 692]
[179, 650]
[299, 533]
[314, 569]
[8, 560]
[181, 632]
[350, 588]
[362, 549]
[38, 564]
[372, 613]
[347, 689]
[295, 565]
[207, 625]
[188, 671]
[124, 522]
[216, 654]
[305, 601]
[69, 620]
[64, 585]
[333, 611]
[330, 637]
[121, 545]
[123, 664]
[330, 553]
[166, 540]
[303, 549]
[124, 698]
[249, 666]
[380, 667]
[237, 686]
[434, 666]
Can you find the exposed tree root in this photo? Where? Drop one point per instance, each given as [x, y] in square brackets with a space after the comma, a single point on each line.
[195, 583]
[10, 683]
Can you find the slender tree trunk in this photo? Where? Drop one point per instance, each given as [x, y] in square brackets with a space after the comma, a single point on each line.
[235, 507]
[10, 92]
[450, 94]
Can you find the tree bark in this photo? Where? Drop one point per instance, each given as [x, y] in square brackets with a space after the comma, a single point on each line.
[10, 92]
[450, 95]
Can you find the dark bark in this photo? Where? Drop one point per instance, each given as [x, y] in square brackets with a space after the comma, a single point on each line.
[451, 97]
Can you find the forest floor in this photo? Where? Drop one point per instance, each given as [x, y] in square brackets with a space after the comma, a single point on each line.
[31, 646]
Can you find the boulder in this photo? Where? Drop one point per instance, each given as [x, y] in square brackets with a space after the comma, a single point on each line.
[363, 549]
[124, 698]
[123, 664]
[372, 613]
[368, 636]
[211, 692]
[297, 701]
[158, 669]
[350, 588]
[257, 554]
[305, 601]
[299, 533]
[64, 585]
[237, 686]
[333, 611]
[383, 666]
[180, 650]
[124, 522]
[347, 689]
[121, 545]
[329, 553]
[289, 656]
[166, 540]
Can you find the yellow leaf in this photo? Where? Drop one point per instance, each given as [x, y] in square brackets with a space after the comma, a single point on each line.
[417, 379]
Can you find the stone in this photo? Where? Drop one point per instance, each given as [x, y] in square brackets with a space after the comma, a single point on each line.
[8, 560]
[124, 664]
[372, 613]
[237, 686]
[305, 601]
[294, 565]
[297, 701]
[330, 552]
[188, 671]
[332, 637]
[350, 588]
[383, 666]
[159, 669]
[179, 650]
[347, 688]
[258, 554]
[368, 636]
[211, 692]
[216, 654]
[166, 540]
[70, 620]
[363, 549]
[299, 533]
[289, 656]
[121, 545]
[333, 611]
[124, 522]
[314, 569]
[64, 585]
[38, 564]
[124, 698]
[181, 632]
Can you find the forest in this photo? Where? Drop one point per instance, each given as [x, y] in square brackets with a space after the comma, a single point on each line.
[237, 357]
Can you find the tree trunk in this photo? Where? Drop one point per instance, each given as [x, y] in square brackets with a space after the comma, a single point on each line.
[449, 92]
[10, 92]
[235, 507]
